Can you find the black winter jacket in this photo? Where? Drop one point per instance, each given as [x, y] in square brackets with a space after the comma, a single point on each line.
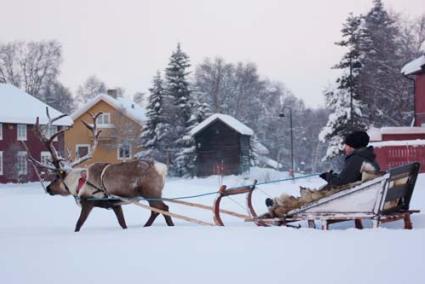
[352, 165]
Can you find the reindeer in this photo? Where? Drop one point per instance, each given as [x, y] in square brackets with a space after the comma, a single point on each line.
[130, 179]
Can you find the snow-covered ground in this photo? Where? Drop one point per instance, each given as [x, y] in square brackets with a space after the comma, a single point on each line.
[38, 245]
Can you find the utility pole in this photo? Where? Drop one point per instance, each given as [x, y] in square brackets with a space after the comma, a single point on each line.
[291, 128]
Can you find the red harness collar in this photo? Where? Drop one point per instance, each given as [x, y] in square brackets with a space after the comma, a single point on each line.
[81, 182]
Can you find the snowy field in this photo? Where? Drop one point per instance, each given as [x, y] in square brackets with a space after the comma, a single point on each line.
[38, 245]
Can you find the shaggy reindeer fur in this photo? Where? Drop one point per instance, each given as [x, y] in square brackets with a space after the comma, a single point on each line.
[285, 203]
[130, 179]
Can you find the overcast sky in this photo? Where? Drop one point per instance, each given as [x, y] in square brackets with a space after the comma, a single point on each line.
[125, 42]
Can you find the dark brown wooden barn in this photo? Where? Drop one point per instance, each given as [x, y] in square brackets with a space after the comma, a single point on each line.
[222, 146]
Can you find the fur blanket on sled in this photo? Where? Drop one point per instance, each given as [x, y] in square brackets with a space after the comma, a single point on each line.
[284, 203]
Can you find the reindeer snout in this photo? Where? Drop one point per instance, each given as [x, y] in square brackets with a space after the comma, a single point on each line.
[49, 190]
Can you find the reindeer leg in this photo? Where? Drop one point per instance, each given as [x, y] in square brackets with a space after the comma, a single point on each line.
[120, 216]
[86, 208]
[151, 219]
[159, 205]
[167, 218]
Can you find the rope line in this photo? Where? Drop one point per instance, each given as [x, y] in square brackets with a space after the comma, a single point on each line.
[202, 194]
[237, 203]
[286, 179]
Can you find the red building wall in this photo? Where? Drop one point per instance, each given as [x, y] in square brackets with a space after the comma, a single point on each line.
[393, 156]
[398, 137]
[10, 146]
[420, 99]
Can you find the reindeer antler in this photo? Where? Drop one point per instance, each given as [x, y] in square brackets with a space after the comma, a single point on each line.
[48, 141]
[95, 132]
[57, 160]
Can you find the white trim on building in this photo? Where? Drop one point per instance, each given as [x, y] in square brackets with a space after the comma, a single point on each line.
[22, 163]
[81, 146]
[124, 151]
[21, 132]
[104, 120]
[46, 158]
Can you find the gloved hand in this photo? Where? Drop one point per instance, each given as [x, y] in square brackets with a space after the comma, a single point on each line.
[326, 175]
[269, 202]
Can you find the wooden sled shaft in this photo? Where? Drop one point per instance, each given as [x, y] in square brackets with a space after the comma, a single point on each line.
[160, 211]
[203, 206]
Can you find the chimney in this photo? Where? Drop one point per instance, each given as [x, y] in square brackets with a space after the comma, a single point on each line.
[112, 92]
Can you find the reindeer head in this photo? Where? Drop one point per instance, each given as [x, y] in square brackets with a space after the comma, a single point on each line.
[65, 170]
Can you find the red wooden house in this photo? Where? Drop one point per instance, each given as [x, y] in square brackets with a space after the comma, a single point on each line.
[395, 146]
[18, 114]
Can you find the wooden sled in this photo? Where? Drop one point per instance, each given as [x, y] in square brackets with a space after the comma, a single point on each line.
[383, 199]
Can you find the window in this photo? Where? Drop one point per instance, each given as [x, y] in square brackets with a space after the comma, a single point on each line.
[1, 162]
[46, 158]
[50, 131]
[82, 150]
[22, 164]
[1, 131]
[104, 119]
[124, 151]
[22, 132]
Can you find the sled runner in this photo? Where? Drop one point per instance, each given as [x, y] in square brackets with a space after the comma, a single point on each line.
[383, 199]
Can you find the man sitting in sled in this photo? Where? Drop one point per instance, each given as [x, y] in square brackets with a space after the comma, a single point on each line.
[359, 165]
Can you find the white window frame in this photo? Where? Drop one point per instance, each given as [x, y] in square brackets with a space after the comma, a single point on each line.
[104, 120]
[46, 158]
[78, 146]
[1, 131]
[21, 132]
[50, 131]
[24, 163]
[1, 163]
[118, 152]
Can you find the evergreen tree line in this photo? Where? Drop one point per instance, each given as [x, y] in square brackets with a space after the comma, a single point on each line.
[179, 101]
[371, 91]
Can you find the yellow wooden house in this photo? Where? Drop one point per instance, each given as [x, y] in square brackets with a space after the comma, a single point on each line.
[121, 123]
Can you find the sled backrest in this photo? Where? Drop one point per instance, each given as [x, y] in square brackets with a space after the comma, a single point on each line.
[399, 188]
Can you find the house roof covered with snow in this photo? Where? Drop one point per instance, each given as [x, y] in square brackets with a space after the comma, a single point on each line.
[375, 134]
[126, 106]
[417, 142]
[17, 106]
[414, 66]
[226, 119]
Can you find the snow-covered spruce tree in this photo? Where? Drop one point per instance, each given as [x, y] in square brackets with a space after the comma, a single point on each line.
[386, 91]
[153, 136]
[201, 110]
[347, 111]
[180, 114]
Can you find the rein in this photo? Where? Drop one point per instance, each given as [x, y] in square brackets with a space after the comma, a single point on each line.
[98, 189]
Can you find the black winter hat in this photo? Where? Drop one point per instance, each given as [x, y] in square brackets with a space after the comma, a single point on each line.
[357, 139]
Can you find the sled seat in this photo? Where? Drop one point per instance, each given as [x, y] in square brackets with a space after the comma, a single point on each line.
[383, 199]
